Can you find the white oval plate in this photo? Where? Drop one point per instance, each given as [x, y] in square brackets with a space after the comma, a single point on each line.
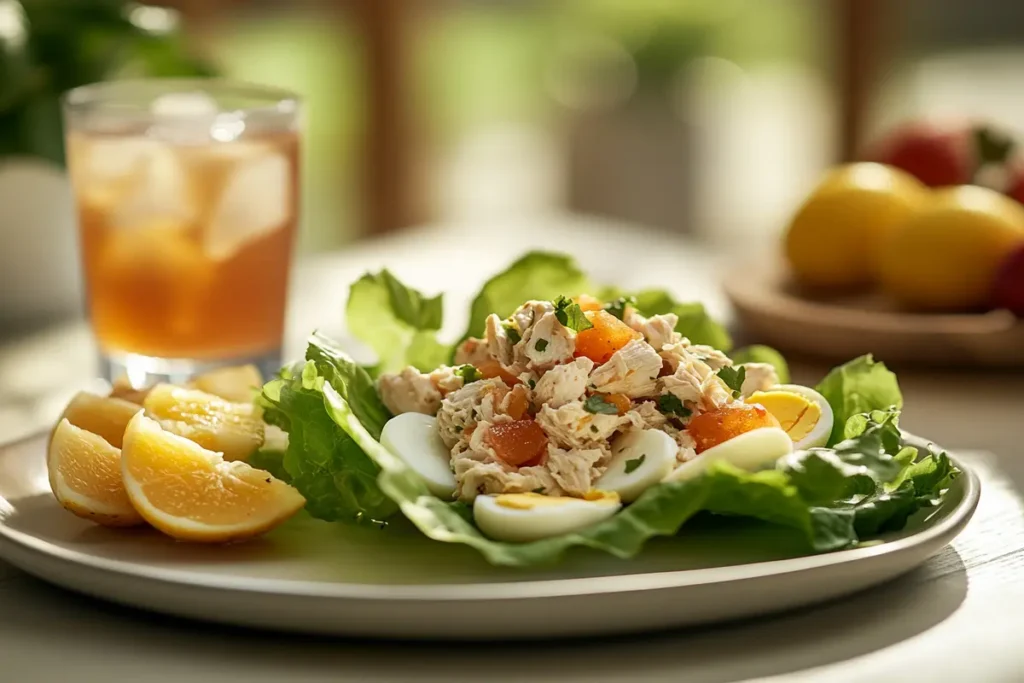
[335, 579]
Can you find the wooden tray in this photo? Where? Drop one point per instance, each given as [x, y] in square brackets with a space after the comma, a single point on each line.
[773, 311]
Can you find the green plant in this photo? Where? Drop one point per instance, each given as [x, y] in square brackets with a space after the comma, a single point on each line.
[50, 46]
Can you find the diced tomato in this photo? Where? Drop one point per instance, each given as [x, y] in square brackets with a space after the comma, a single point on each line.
[715, 426]
[608, 335]
[517, 442]
[518, 402]
[589, 303]
[492, 368]
[620, 401]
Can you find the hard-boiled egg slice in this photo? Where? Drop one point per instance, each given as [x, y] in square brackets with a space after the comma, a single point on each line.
[521, 517]
[640, 459]
[802, 412]
[749, 451]
[413, 438]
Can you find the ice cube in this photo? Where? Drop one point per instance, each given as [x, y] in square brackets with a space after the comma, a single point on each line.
[184, 104]
[256, 201]
[103, 168]
[159, 192]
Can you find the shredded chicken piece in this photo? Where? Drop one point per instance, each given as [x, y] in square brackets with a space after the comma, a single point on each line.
[445, 379]
[564, 383]
[658, 330]
[499, 346]
[548, 343]
[687, 447]
[472, 352]
[529, 313]
[461, 410]
[759, 377]
[571, 426]
[647, 416]
[574, 470]
[696, 384]
[475, 478]
[715, 359]
[410, 391]
[632, 370]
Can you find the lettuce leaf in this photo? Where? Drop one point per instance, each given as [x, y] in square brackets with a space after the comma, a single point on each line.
[859, 386]
[398, 322]
[536, 275]
[758, 353]
[694, 322]
[829, 494]
[322, 460]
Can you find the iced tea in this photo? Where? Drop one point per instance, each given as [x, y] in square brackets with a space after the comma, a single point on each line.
[187, 214]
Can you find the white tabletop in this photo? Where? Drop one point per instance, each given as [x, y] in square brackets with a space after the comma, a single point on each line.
[956, 619]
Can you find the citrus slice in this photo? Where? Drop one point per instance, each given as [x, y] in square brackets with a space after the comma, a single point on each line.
[238, 384]
[234, 429]
[85, 476]
[193, 494]
[103, 416]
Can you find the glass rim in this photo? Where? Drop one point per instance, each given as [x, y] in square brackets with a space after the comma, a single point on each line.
[267, 100]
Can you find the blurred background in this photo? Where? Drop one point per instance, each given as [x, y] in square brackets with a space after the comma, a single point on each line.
[707, 118]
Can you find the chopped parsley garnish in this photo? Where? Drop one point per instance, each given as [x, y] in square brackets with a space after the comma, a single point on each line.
[670, 404]
[733, 377]
[539, 489]
[541, 345]
[571, 315]
[594, 429]
[598, 405]
[632, 465]
[458, 429]
[618, 307]
[531, 383]
[511, 331]
[468, 373]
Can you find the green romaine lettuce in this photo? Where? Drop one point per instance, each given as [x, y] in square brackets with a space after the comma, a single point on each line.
[831, 495]
[397, 322]
[537, 275]
[859, 386]
[322, 461]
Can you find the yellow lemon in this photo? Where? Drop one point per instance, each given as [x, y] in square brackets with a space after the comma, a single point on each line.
[85, 476]
[833, 240]
[234, 429]
[193, 494]
[947, 256]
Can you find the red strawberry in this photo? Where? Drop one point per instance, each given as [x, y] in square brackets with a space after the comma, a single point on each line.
[937, 156]
[1008, 292]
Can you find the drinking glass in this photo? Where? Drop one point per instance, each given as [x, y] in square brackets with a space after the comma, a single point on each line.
[187, 194]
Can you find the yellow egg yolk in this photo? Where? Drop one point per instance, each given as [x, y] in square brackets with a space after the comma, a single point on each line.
[529, 501]
[796, 415]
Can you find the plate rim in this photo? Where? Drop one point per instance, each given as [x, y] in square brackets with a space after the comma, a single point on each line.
[951, 525]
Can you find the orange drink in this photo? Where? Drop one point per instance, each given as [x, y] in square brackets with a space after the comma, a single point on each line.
[187, 194]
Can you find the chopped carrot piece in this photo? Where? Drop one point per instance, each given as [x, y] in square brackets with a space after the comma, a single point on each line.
[608, 335]
[589, 303]
[715, 426]
[517, 442]
[492, 368]
[518, 402]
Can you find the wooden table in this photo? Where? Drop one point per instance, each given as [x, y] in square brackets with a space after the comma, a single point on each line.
[956, 619]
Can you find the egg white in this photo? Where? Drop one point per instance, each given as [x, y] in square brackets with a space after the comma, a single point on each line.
[658, 453]
[818, 436]
[751, 450]
[558, 516]
[413, 438]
